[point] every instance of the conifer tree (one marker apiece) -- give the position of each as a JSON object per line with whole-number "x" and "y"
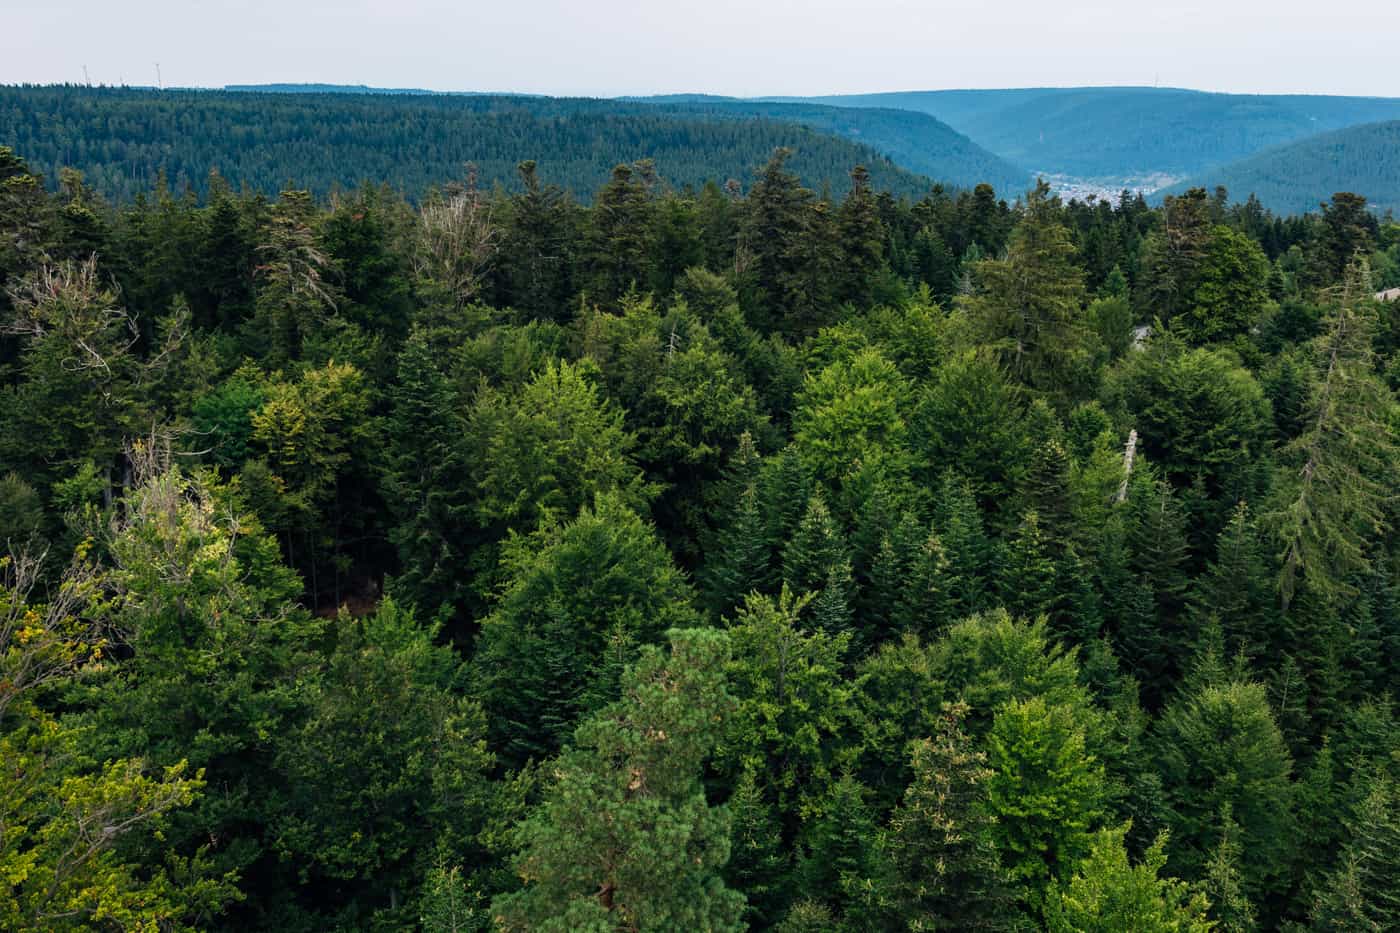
{"x": 578, "y": 600}
{"x": 861, "y": 238}
{"x": 968, "y": 549}
{"x": 840, "y": 863}
{"x": 759, "y": 867}
{"x": 1335, "y": 505}
{"x": 946, "y": 873}
{"x": 620, "y": 242}
{"x": 1028, "y": 584}
{"x": 1235, "y": 588}
{"x": 624, "y": 838}
{"x": 1360, "y": 894}
{"x": 1223, "y": 888}
{"x": 1218, "y": 745}
{"x": 1027, "y": 306}
{"x": 817, "y": 553}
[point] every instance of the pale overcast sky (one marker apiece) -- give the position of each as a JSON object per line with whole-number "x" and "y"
{"x": 739, "y": 47}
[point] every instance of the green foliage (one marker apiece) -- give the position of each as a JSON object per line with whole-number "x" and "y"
{"x": 1335, "y": 504}
{"x": 947, "y": 872}
{"x": 447, "y": 469}
{"x": 1027, "y": 306}
{"x": 551, "y": 448}
{"x": 577, "y": 602}
{"x": 852, "y": 414}
{"x": 1109, "y": 894}
{"x": 136, "y": 135}
{"x": 1046, "y": 793}
{"x": 1360, "y": 894}
{"x": 388, "y": 759}
{"x": 1218, "y": 747}
{"x": 624, "y": 837}
{"x": 793, "y": 719}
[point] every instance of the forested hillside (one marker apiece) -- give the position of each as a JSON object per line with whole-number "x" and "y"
{"x": 1299, "y": 176}
{"x": 122, "y": 139}
{"x": 913, "y": 140}
{"x": 1120, "y": 132}
{"x": 690, "y": 560}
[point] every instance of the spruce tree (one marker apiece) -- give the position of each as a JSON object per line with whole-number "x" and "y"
{"x": 1224, "y": 888}
{"x": 1336, "y": 504}
{"x": 1027, "y": 306}
{"x": 1218, "y": 745}
{"x": 759, "y": 866}
{"x": 840, "y": 863}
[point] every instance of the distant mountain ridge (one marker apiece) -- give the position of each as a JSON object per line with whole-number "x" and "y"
{"x": 1298, "y": 176}
{"x": 1119, "y": 132}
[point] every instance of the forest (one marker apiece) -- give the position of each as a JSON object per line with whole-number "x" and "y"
{"x": 125, "y": 139}
{"x": 747, "y": 556}
{"x": 1299, "y": 176}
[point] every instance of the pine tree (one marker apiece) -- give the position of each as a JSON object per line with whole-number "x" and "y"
{"x": 1156, "y": 641}
{"x": 619, "y": 244}
{"x": 739, "y": 565}
{"x": 1046, "y": 489}
{"x": 795, "y": 719}
{"x": 536, "y": 244}
{"x": 923, "y": 605}
{"x": 624, "y": 838}
{"x": 1172, "y": 257}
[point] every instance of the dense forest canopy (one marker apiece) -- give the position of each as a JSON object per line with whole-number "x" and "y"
{"x": 729, "y": 558}
{"x": 122, "y": 139}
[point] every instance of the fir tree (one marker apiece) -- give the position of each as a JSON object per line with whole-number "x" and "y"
{"x": 1360, "y": 894}
{"x": 946, "y": 870}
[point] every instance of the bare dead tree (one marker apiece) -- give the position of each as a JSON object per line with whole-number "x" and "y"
{"x": 457, "y": 241}
{"x": 1129, "y": 452}
{"x": 43, "y": 642}
{"x": 69, "y": 302}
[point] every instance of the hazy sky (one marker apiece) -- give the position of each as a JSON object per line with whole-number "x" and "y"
{"x": 741, "y": 47}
